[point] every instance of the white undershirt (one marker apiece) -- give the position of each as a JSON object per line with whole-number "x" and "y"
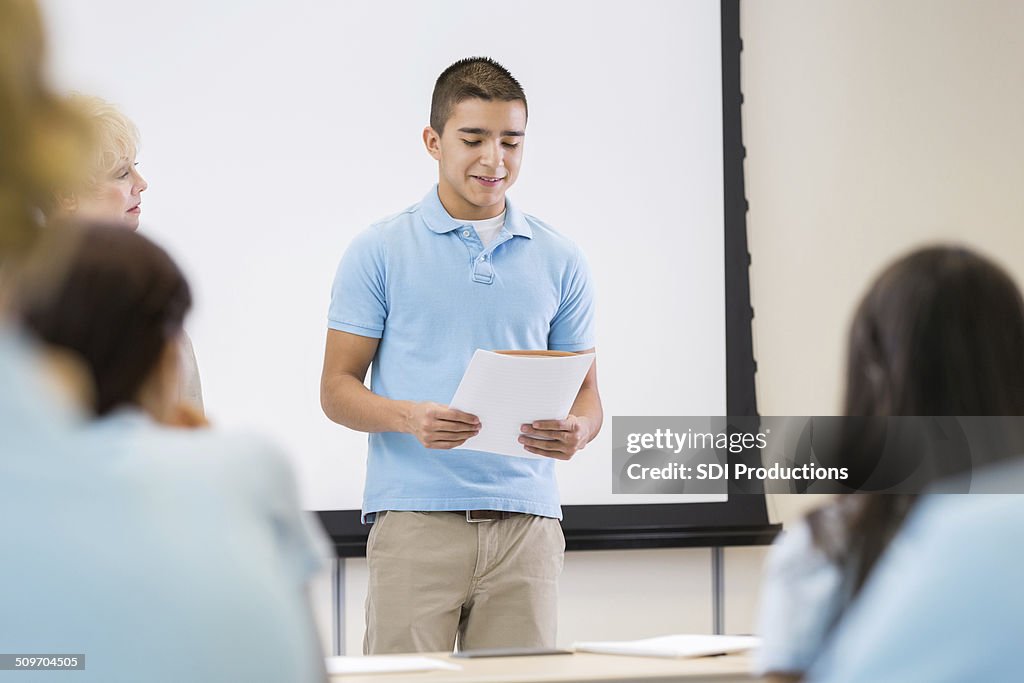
{"x": 489, "y": 228}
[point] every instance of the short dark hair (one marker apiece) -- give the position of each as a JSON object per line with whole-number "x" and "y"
{"x": 118, "y": 304}
{"x": 472, "y": 77}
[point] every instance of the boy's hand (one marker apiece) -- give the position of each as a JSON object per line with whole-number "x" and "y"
{"x": 438, "y": 426}
{"x": 559, "y": 439}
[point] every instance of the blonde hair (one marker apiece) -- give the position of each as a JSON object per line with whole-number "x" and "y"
{"x": 115, "y": 136}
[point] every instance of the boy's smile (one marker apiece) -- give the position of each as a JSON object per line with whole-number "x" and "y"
{"x": 478, "y": 154}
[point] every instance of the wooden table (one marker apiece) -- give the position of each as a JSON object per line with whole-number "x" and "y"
{"x": 581, "y": 666}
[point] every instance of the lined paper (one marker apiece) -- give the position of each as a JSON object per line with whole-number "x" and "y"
{"x": 508, "y": 391}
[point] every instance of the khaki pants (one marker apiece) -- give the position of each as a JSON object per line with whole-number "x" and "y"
{"x": 435, "y": 576}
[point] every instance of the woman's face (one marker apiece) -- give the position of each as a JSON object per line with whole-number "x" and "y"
{"x": 117, "y": 199}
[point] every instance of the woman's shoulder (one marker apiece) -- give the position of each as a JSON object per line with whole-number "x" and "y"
{"x": 133, "y": 441}
{"x": 800, "y": 597}
{"x": 795, "y": 551}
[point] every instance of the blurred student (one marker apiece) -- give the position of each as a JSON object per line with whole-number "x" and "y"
{"x": 111, "y": 194}
{"x": 43, "y": 142}
{"x": 169, "y": 554}
{"x": 416, "y": 295}
{"x": 118, "y": 308}
{"x": 940, "y": 333}
{"x": 43, "y": 145}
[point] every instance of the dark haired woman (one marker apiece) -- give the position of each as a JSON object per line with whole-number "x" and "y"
{"x": 181, "y": 553}
{"x": 940, "y": 333}
{"x": 119, "y": 308}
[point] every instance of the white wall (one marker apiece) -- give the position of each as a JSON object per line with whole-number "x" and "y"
{"x": 872, "y": 127}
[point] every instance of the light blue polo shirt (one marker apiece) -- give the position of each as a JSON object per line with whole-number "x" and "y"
{"x": 423, "y": 283}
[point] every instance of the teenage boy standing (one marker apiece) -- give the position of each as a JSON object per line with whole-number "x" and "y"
{"x": 416, "y": 294}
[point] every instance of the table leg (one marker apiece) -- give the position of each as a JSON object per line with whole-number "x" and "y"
{"x": 718, "y": 590}
{"x": 338, "y": 600}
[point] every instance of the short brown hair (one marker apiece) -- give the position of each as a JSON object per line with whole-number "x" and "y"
{"x": 472, "y": 77}
{"x": 121, "y": 300}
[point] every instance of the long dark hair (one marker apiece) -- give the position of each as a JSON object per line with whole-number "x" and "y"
{"x": 121, "y": 300}
{"x": 939, "y": 333}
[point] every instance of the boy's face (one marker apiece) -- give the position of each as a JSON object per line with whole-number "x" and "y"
{"x": 478, "y": 156}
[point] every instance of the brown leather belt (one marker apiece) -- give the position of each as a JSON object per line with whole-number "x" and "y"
{"x": 485, "y": 515}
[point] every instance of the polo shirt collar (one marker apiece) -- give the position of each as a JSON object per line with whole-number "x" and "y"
{"x": 440, "y": 221}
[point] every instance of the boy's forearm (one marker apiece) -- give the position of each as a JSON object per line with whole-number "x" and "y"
{"x": 348, "y": 402}
{"x": 588, "y": 405}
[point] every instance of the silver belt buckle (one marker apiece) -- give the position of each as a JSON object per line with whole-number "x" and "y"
{"x": 470, "y": 519}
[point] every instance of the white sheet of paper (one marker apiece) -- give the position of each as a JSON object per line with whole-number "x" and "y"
{"x": 506, "y": 392}
{"x": 686, "y": 645}
{"x": 380, "y": 664}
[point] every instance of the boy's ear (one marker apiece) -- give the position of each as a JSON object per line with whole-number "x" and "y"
{"x": 432, "y": 141}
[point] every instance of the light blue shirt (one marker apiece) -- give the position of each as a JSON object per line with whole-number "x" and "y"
{"x": 161, "y": 555}
{"x": 946, "y": 604}
{"x": 802, "y": 596}
{"x": 423, "y": 283}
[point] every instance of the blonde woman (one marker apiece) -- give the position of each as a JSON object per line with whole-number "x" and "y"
{"x": 112, "y": 195}
{"x": 112, "y": 192}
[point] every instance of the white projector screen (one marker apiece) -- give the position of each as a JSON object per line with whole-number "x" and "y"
{"x": 272, "y": 133}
